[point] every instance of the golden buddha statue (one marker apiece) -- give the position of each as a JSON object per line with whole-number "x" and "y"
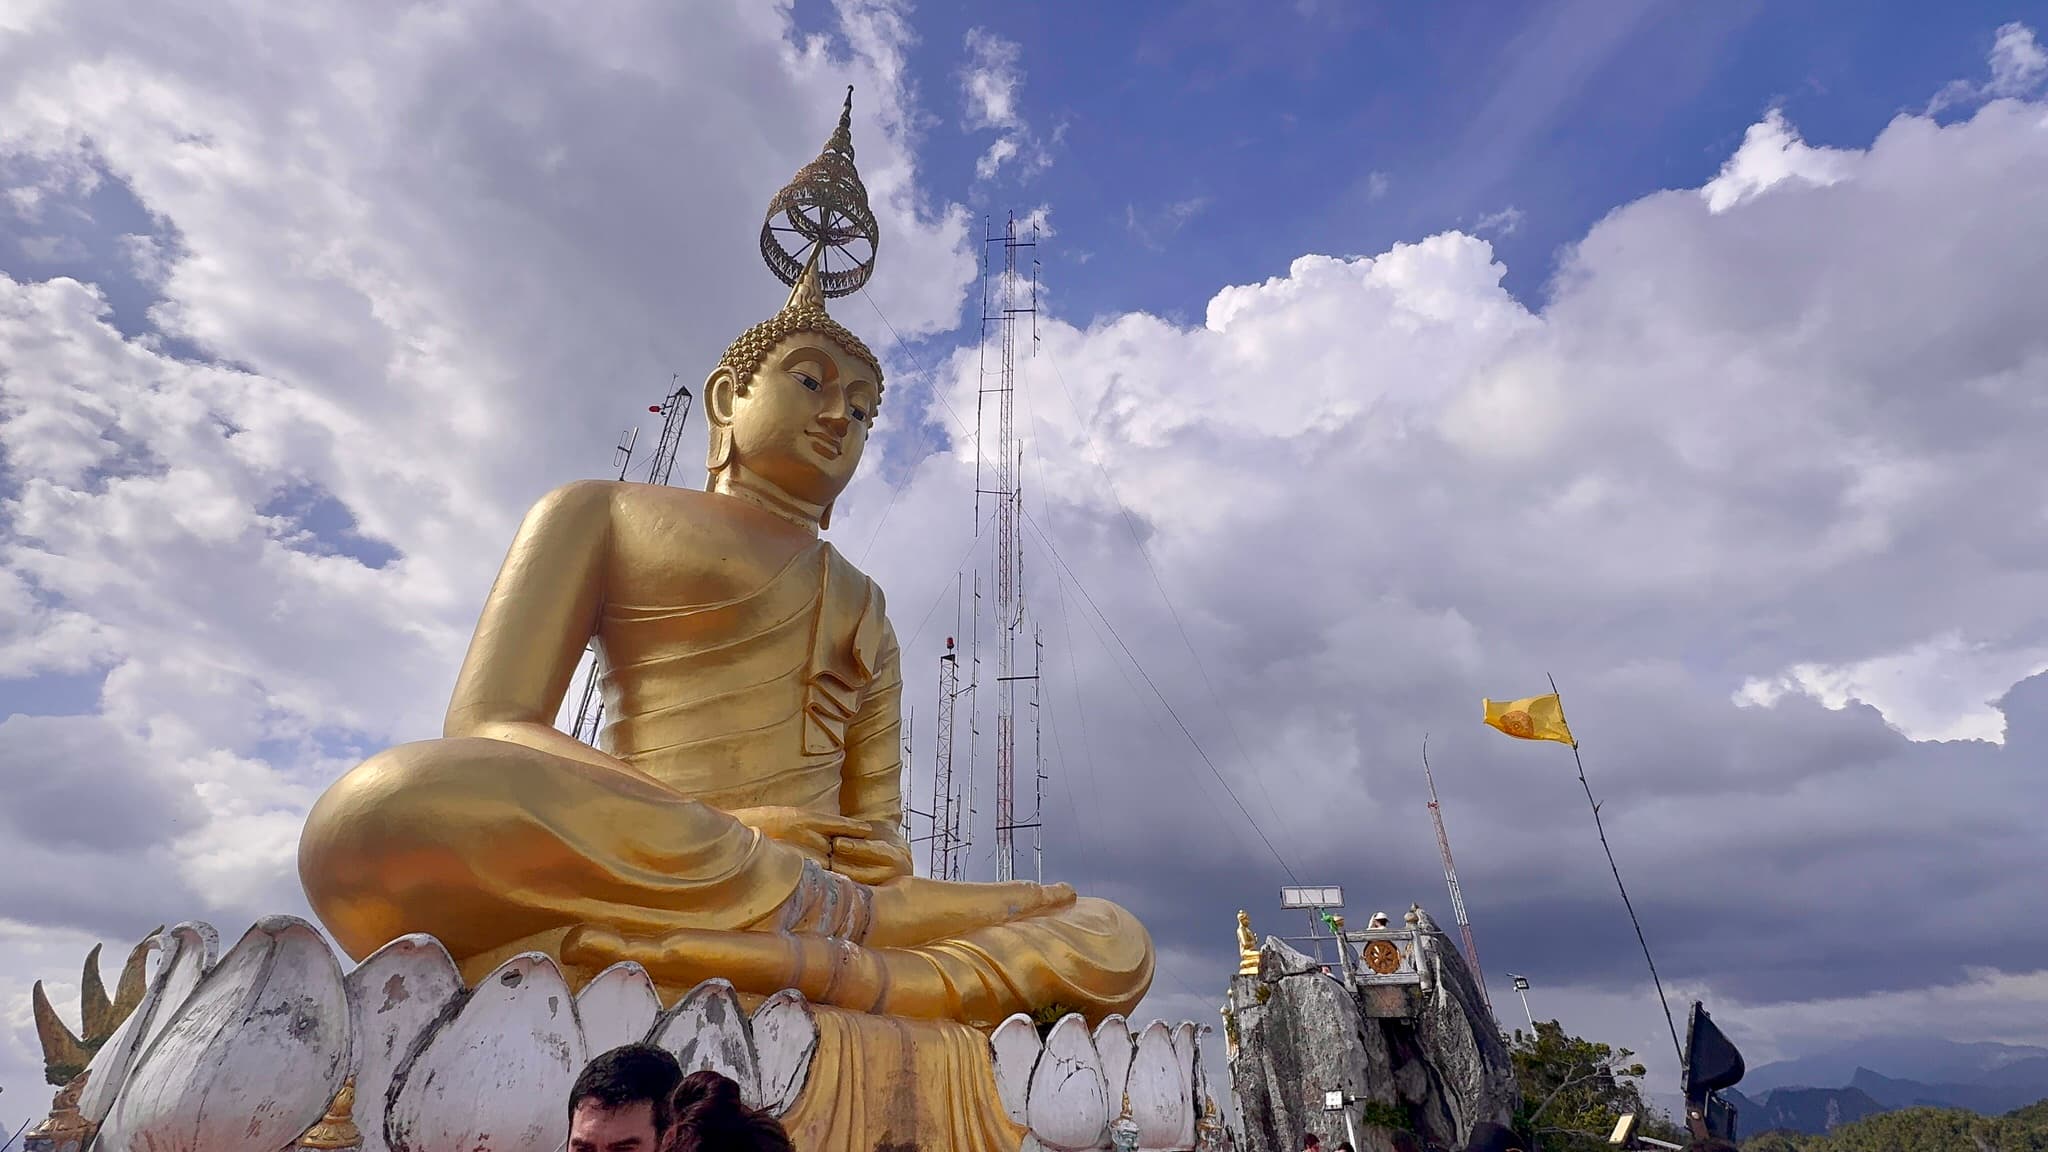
{"x": 741, "y": 816}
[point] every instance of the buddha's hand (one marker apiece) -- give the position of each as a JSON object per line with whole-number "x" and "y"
{"x": 816, "y": 834}
{"x": 875, "y": 858}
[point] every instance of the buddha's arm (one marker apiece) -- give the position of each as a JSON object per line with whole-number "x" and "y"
{"x": 531, "y": 635}
{"x": 871, "y": 784}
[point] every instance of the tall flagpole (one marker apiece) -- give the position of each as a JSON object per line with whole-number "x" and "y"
{"x": 1625, "y": 902}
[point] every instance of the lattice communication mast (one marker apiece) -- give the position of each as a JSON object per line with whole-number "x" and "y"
{"x": 1443, "y": 843}
{"x": 945, "y": 840}
{"x": 1000, "y": 312}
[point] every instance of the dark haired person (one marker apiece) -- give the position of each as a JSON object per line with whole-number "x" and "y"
{"x": 1492, "y": 1137}
{"x": 1311, "y": 1143}
{"x": 624, "y": 1101}
{"x": 710, "y": 1118}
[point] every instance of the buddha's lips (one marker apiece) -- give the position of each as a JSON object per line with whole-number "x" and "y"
{"x": 831, "y": 447}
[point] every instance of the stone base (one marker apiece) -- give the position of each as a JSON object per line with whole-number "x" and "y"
{"x": 251, "y": 1054}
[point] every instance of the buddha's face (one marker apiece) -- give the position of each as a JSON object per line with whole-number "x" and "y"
{"x": 801, "y": 421}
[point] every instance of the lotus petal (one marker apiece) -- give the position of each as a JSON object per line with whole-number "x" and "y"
{"x": 393, "y": 997}
{"x": 1016, "y": 1047}
{"x": 1159, "y": 1093}
{"x": 1187, "y": 1046}
{"x": 252, "y": 1058}
{"x": 493, "y": 1075}
{"x": 1068, "y": 1102}
{"x": 1114, "y": 1043}
{"x": 617, "y": 1007}
{"x": 187, "y": 952}
{"x": 785, "y": 1039}
{"x": 707, "y": 1029}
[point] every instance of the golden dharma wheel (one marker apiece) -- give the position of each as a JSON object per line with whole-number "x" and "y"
{"x": 1382, "y": 957}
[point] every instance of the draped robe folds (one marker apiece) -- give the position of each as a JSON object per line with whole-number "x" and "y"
{"x": 788, "y": 696}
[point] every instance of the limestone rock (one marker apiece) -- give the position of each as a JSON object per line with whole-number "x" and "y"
{"x": 1427, "y": 1054}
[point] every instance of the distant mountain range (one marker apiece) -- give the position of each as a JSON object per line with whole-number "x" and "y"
{"x": 1819, "y": 1093}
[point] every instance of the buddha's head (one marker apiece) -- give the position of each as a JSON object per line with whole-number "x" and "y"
{"x": 790, "y": 406}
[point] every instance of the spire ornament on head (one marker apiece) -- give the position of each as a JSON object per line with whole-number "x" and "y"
{"x": 820, "y": 238}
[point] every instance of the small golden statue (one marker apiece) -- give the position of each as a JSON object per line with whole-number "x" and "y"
{"x": 336, "y": 1130}
{"x": 742, "y": 814}
{"x": 1247, "y": 946}
{"x": 64, "y": 1130}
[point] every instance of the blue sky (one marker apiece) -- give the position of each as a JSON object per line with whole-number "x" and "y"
{"x": 1241, "y": 135}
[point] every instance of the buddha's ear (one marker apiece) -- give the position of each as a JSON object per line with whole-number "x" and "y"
{"x": 720, "y": 389}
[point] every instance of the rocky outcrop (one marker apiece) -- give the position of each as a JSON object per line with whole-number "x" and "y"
{"x": 1413, "y": 1048}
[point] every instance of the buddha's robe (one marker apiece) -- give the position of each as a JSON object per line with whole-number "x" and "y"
{"x": 787, "y": 696}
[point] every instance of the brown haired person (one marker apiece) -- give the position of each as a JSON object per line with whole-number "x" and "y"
{"x": 710, "y": 1118}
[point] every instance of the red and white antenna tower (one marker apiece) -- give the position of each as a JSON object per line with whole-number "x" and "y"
{"x": 1000, "y": 312}
{"x": 1443, "y": 843}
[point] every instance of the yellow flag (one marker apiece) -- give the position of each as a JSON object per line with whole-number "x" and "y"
{"x": 1536, "y": 718}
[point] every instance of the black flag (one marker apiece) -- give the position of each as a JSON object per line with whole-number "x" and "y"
{"x": 1711, "y": 1064}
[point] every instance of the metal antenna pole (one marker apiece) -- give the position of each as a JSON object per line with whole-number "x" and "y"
{"x": 1009, "y": 557}
{"x": 945, "y": 801}
{"x": 1443, "y": 843}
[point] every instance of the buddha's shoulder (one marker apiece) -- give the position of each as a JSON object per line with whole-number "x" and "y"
{"x": 611, "y": 497}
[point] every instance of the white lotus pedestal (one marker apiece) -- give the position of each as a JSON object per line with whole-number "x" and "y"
{"x": 271, "y": 1048}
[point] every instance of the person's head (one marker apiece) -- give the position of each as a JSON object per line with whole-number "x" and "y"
{"x": 710, "y": 1118}
{"x": 624, "y": 1101}
{"x": 1344, "y": 1146}
{"x": 1311, "y": 1140}
{"x": 791, "y": 403}
{"x": 1491, "y": 1137}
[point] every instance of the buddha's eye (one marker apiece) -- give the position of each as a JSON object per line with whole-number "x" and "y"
{"x": 859, "y": 413}
{"x": 806, "y": 381}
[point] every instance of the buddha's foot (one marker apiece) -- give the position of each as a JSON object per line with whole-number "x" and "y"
{"x": 829, "y": 971}
{"x": 916, "y": 910}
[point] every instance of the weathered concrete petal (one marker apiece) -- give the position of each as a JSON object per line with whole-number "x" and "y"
{"x": 707, "y": 1029}
{"x": 493, "y": 1074}
{"x": 109, "y": 1067}
{"x": 1068, "y": 1104}
{"x": 617, "y": 1007}
{"x": 1159, "y": 1092}
{"x": 1114, "y": 1042}
{"x": 251, "y": 1059}
{"x": 1016, "y": 1046}
{"x": 785, "y": 1040}
{"x": 393, "y": 998}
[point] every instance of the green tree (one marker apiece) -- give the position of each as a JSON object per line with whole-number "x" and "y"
{"x": 1573, "y": 1091}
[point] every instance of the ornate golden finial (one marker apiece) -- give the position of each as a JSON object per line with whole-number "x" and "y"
{"x": 825, "y": 208}
{"x": 65, "y": 1055}
{"x": 819, "y": 220}
{"x": 337, "y": 1129}
{"x": 64, "y": 1128}
{"x": 1247, "y": 946}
